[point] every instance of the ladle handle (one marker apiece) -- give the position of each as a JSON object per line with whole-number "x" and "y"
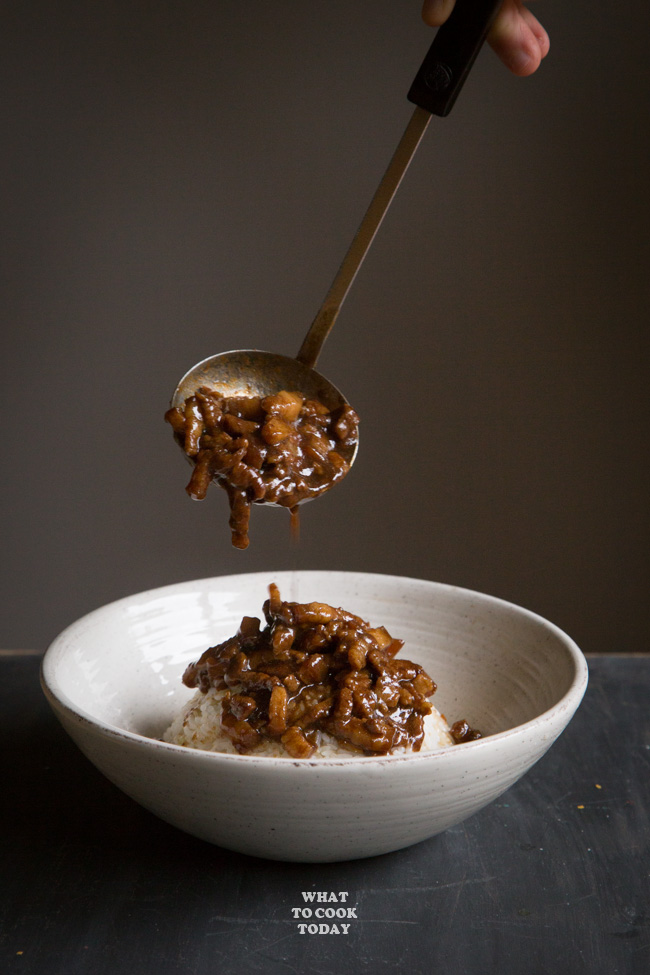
{"x": 434, "y": 91}
{"x": 449, "y": 60}
{"x": 331, "y": 306}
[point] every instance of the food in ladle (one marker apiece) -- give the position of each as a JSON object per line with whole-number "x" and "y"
{"x": 280, "y": 449}
{"x": 313, "y": 682}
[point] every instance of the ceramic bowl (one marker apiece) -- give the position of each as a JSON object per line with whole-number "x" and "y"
{"x": 113, "y": 679}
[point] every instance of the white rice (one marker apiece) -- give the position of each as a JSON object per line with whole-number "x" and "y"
{"x": 198, "y": 726}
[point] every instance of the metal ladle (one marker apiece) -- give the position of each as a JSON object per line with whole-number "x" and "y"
{"x": 434, "y": 91}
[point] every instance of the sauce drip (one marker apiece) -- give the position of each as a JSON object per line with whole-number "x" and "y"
{"x": 281, "y": 449}
{"x": 295, "y": 524}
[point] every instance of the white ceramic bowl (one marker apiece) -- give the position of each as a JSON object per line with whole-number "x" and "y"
{"x": 113, "y": 679}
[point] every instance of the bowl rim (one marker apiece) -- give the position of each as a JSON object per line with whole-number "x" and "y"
{"x": 58, "y": 699}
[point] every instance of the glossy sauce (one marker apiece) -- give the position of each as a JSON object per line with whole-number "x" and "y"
{"x": 280, "y": 449}
{"x": 314, "y": 669}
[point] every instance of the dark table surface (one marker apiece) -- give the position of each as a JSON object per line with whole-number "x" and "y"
{"x": 554, "y": 877}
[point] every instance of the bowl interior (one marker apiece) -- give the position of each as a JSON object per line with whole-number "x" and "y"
{"x": 495, "y": 664}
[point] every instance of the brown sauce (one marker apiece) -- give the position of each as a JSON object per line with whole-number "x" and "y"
{"x": 295, "y": 524}
{"x": 312, "y": 669}
{"x": 461, "y": 731}
{"x": 280, "y": 449}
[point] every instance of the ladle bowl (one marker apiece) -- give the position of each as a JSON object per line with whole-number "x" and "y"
{"x": 251, "y": 372}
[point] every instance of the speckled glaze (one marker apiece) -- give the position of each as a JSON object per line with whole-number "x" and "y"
{"x": 113, "y": 679}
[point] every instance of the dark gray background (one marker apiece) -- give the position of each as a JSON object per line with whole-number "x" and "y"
{"x": 178, "y": 179}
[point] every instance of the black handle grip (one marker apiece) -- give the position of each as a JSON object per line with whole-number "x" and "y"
{"x": 452, "y": 54}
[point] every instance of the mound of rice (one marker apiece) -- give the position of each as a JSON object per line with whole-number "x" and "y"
{"x": 198, "y": 725}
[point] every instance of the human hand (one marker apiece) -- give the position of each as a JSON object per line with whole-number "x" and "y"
{"x": 516, "y": 35}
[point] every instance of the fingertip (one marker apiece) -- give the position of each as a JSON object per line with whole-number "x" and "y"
{"x": 522, "y": 64}
{"x": 436, "y": 12}
{"x": 519, "y": 40}
{"x": 522, "y": 60}
{"x": 544, "y": 43}
{"x": 538, "y": 31}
